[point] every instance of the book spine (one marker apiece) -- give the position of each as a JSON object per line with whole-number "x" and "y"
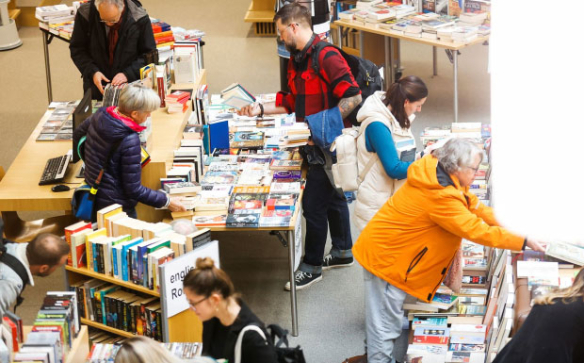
{"x": 101, "y": 258}
{"x": 108, "y": 311}
{"x": 145, "y": 270}
{"x": 132, "y": 318}
{"x": 161, "y": 90}
{"x": 124, "y": 264}
{"x": 158, "y": 325}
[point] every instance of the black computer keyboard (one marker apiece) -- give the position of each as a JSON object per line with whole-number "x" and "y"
{"x": 55, "y": 170}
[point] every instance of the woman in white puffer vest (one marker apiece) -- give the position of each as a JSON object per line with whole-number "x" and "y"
{"x": 386, "y": 146}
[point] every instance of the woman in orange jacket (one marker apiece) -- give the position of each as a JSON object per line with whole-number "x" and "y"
{"x": 409, "y": 245}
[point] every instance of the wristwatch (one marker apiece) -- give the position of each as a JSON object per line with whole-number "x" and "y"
{"x": 261, "y": 115}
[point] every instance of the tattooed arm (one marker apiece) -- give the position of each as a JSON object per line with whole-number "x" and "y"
{"x": 347, "y": 105}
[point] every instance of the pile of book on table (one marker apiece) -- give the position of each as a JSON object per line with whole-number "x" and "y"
{"x": 253, "y": 188}
{"x": 57, "y": 19}
{"x": 451, "y": 24}
{"x": 53, "y": 331}
{"x": 107, "y": 352}
{"x": 59, "y": 125}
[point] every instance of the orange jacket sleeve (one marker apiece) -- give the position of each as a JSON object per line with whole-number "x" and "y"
{"x": 451, "y": 213}
{"x": 481, "y": 210}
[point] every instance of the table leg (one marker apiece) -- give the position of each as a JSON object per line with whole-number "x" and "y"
{"x": 387, "y": 78}
{"x": 455, "y": 69}
{"x": 47, "y": 67}
{"x": 293, "y": 303}
{"x": 390, "y": 70}
{"x": 398, "y": 56}
{"x": 435, "y": 61}
{"x": 361, "y": 47}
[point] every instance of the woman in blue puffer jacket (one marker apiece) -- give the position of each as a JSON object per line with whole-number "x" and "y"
{"x": 121, "y": 182}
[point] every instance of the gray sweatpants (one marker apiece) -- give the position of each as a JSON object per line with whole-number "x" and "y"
{"x": 383, "y": 317}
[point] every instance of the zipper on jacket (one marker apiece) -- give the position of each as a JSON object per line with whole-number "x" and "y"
{"x": 415, "y": 261}
{"x": 444, "y": 271}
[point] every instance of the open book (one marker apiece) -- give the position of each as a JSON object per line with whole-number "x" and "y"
{"x": 236, "y": 96}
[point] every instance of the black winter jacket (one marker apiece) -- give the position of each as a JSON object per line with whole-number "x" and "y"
{"x": 121, "y": 182}
{"x": 89, "y": 44}
{"x": 551, "y": 333}
{"x": 219, "y": 340}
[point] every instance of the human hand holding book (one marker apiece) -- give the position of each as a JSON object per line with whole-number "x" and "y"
{"x": 535, "y": 245}
{"x": 176, "y": 205}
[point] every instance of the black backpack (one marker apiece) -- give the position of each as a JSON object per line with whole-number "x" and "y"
{"x": 364, "y": 71}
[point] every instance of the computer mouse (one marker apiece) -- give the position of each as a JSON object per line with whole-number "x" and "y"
{"x": 60, "y": 188}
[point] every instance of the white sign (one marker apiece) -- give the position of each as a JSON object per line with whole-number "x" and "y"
{"x": 173, "y": 273}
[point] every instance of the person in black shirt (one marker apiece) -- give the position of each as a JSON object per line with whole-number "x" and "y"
{"x": 212, "y": 297}
{"x": 553, "y": 330}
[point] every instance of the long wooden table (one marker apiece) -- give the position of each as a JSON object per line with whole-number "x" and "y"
{"x": 19, "y": 189}
{"x": 389, "y": 38}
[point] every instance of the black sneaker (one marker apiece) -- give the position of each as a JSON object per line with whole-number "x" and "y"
{"x": 332, "y": 262}
{"x": 303, "y": 279}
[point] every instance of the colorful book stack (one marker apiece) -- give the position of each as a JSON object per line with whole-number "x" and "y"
{"x": 55, "y": 327}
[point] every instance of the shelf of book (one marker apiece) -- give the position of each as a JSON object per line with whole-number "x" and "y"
{"x": 79, "y": 349}
{"x": 110, "y": 279}
{"x": 107, "y": 328}
{"x": 167, "y": 131}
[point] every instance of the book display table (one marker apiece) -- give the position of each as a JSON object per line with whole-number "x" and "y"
{"x": 389, "y": 39}
{"x": 19, "y": 189}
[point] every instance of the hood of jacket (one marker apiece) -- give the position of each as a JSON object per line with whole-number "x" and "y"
{"x": 428, "y": 174}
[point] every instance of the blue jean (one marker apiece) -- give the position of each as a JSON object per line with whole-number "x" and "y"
{"x": 324, "y": 208}
{"x": 383, "y": 317}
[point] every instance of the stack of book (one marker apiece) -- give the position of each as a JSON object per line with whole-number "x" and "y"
{"x": 57, "y": 19}
{"x": 53, "y": 331}
{"x": 59, "y": 125}
{"x": 162, "y": 34}
{"x": 177, "y": 101}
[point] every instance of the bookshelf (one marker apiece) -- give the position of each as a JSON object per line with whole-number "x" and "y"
{"x": 183, "y": 327}
{"x": 166, "y": 135}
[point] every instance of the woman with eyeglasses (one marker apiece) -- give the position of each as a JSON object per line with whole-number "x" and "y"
{"x": 212, "y": 297}
{"x": 409, "y": 245}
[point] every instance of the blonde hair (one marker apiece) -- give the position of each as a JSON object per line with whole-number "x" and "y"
{"x": 567, "y": 295}
{"x": 140, "y": 349}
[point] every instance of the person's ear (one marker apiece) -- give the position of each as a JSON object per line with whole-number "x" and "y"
{"x": 44, "y": 269}
{"x": 215, "y": 298}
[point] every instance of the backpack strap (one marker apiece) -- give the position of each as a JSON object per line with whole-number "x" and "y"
{"x": 17, "y": 266}
{"x": 239, "y": 341}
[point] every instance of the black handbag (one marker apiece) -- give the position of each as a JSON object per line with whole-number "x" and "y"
{"x": 83, "y": 201}
{"x": 286, "y": 354}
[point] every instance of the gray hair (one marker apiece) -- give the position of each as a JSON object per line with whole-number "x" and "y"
{"x": 118, "y": 3}
{"x": 183, "y": 226}
{"x": 136, "y": 97}
{"x": 457, "y": 153}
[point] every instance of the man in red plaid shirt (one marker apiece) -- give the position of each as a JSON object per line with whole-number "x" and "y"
{"x": 312, "y": 93}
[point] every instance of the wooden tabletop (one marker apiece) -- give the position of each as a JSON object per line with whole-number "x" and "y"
{"x": 375, "y": 29}
{"x": 19, "y": 189}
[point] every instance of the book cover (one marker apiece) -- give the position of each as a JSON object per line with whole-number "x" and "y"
{"x": 69, "y": 231}
{"x": 210, "y": 220}
{"x": 248, "y": 139}
{"x": 286, "y": 164}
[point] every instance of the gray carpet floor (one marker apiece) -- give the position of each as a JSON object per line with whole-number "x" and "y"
{"x": 331, "y": 312}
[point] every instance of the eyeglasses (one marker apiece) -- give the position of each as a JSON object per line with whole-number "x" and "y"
{"x": 193, "y": 306}
{"x": 278, "y": 30}
{"x": 111, "y": 21}
{"x": 475, "y": 170}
